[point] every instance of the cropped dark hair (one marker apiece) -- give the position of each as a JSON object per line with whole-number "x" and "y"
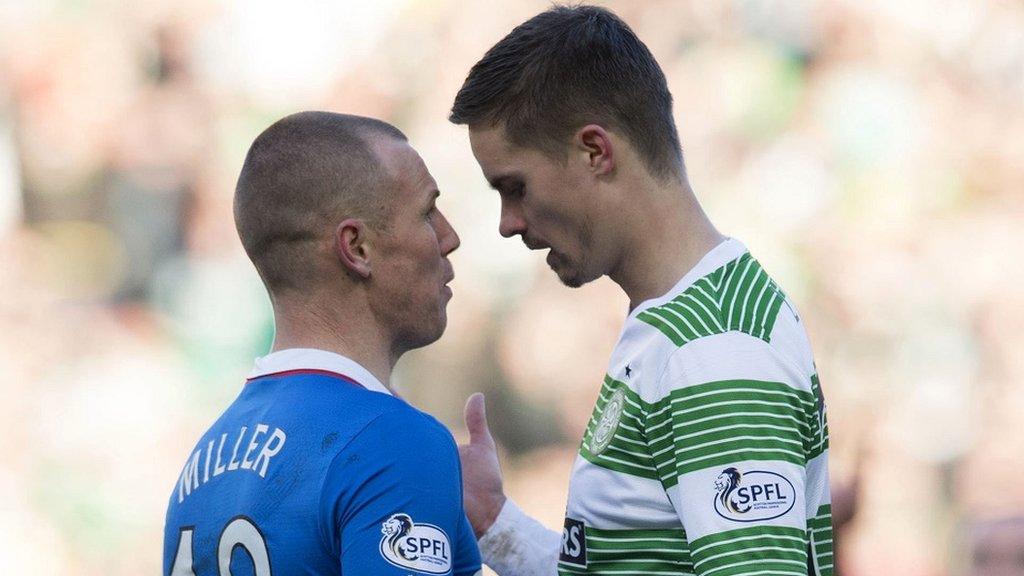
{"x": 567, "y": 67}
{"x": 301, "y": 177}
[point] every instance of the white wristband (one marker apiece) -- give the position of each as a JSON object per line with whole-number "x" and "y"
{"x": 518, "y": 545}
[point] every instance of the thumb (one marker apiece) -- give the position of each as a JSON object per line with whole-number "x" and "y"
{"x": 476, "y": 421}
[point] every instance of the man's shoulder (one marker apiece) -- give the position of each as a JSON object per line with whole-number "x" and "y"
{"x": 401, "y": 444}
{"x": 320, "y": 416}
{"x": 401, "y": 425}
{"x": 735, "y": 320}
{"x": 738, "y": 296}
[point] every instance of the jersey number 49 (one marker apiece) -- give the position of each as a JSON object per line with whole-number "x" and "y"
{"x": 240, "y": 531}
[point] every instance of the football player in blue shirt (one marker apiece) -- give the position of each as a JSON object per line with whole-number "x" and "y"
{"x": 316, "y": 467}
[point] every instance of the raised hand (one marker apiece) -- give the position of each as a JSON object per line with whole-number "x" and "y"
{"x": 481, "y": 474}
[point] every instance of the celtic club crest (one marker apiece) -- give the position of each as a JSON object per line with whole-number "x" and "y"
{"x": 608, "y": 423}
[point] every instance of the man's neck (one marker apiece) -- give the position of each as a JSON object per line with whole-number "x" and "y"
{"x": 308, "y": 326}
{"x": 664, "y": 241}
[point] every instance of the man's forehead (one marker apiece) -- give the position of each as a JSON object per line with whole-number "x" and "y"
{"x": 404, "y": 163}
{"x": 498, "y": 157}
{"x": 490, "y": 140}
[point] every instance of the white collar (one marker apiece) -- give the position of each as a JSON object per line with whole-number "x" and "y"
{"x": 726, "y": 251}
{"x": 313, "y": 359}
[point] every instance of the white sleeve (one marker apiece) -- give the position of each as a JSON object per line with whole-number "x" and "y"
{"x": 743, "y": 421}
{"x": 518, "y": 545}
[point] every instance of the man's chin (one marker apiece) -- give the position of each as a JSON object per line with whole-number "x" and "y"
{"x": 431, "y": 332}
{"x": 570, "y": 278}
{"x": 440, "y": 327}
{"x": 567, "y": 274}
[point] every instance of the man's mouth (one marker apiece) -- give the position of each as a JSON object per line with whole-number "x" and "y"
{"x": 534, "y": 244}
{"x": 445, "y": 288}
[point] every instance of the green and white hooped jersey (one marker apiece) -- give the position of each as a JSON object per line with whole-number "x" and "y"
{"x": 707, "y": 452}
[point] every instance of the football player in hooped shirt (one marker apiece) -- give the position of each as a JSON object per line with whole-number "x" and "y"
{"x": 707, "y": 451}
{"x": 316, "y": 467}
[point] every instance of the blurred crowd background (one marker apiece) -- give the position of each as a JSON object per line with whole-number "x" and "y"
{"x": 869, "y": 152}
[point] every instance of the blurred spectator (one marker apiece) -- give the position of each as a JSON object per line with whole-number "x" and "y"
{"x": 996, "y": 547}
{"x": 156, "y": 158}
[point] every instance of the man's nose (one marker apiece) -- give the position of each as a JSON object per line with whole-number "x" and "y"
{"x": 512, "y": 221}
{"x": 449, "y": 237}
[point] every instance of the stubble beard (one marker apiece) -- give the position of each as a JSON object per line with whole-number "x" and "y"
{"x": 575, "y": 275}
{"x": 573, "y": 281}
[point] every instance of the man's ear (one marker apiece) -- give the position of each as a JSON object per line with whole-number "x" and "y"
{"x": 595, "y": 143}
{"x": 350, "y": 246}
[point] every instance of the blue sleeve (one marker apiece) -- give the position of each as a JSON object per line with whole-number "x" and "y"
{"x": 467, "y": 554}
{"x": 392, "y": 501}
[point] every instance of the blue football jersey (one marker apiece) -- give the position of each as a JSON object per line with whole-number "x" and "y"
{"x": 317, "y": 469}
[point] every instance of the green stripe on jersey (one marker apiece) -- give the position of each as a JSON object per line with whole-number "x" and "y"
{"x": 719, "y": 423}
{"x": 739, "y": 296}
{"x": 819, "y": 430}
{"x": 819, "y": 529}
{"x": 636, "y": 552}
{"x": 754, "y": 550}
{"x": 702, "y": 426}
